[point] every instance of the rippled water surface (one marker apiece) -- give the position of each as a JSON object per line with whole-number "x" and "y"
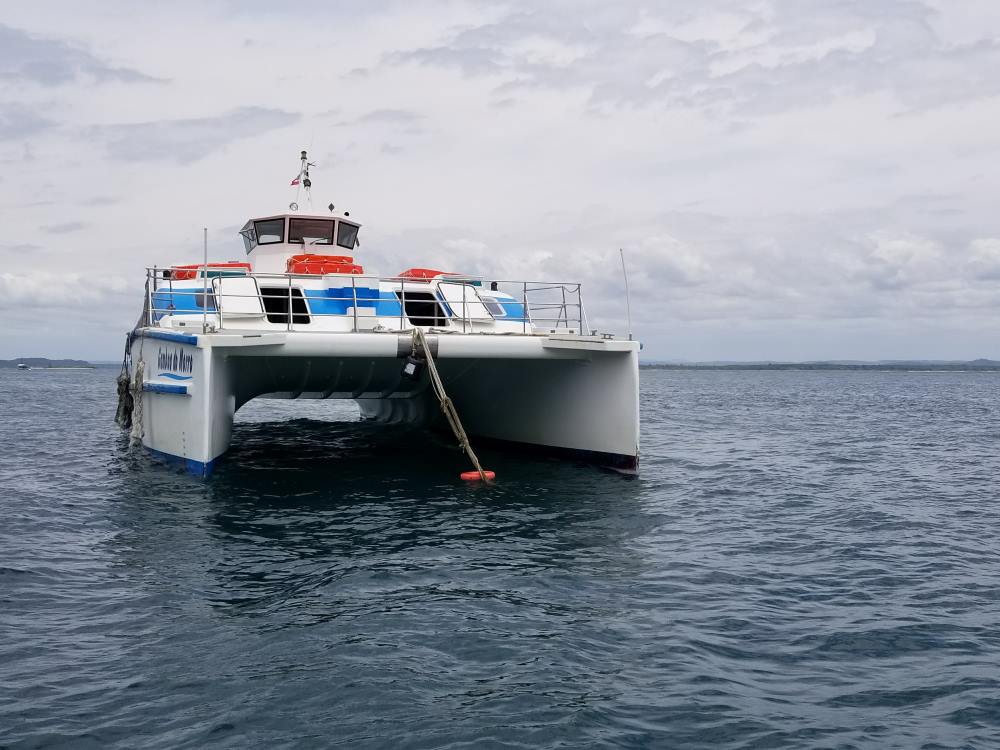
{"x": 807, "y": 560}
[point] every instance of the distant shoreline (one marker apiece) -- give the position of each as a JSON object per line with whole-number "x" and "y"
{"x": 915, "y": 366}
{"x": 43, "y": 363}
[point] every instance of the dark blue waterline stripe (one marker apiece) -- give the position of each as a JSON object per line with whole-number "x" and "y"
{"x": 621, "y": 463}
{"x": 197, "y": 468}
{"x": 180, "y": 338}
{"x": 177, "y": 390}
{"x": 173, "y": 376}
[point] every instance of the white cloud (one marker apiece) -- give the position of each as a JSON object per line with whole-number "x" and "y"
{"x": 52, "y": 291}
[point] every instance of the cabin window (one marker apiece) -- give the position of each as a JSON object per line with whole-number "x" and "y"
{"x": 495, "y": 308}
{"x": 249, "y": 238}
{"x": 276, "y": 300}
{"x": 200, "y": 297}
{"x": 310, "y": 231}
{"x": 270, "y": 232}
{"x": 347, "y": 235}
{"x": 422, "y": 308}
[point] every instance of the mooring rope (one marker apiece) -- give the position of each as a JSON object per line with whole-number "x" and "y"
{"x": 138, "y": 432}
{"x": 419, "y": 339}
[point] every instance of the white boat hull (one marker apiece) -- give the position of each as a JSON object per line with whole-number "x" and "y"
{"x": 568, "y": 394}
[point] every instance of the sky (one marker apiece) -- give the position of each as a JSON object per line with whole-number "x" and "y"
{"x": 789, "y": 179}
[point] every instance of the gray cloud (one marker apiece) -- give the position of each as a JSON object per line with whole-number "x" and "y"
{"x": 390, "y": 116}
{"x": 399, "y": 121}
{"x": 65, "y": 228}
{"x": 787, "y": 55}
{"x": 53, "y": 62}
{"x": 21, "y": 249}
{"x": 100, "y": 200}
{"x": 189, "y": 140}
{"x": 17, "y": 122}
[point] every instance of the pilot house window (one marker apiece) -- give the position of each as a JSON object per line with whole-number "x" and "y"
{"x": 270, "y": 232}
{"x": 310, "y": 231}
{"x": 347, "y": 235}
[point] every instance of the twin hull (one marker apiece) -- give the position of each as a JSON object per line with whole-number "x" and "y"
{"x": 574, "y": 395}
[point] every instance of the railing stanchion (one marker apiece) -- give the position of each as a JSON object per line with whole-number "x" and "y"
{"x": 524, "y": 312}
{"x": 289, "y": 300}
{"x": 402, "y": 301}
{"x": 354, "y": 292}
{"x": 149, "y": 301}
{"x": 204, "y": 291}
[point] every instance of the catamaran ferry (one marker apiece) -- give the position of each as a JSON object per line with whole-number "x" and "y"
{"x": 510, "y": 361}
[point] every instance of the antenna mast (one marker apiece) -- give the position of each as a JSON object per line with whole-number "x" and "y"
{"x": 628, "y": 300}
{"x": 302, "y": 181}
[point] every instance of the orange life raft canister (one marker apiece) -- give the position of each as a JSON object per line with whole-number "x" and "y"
{"x": 194, "y": 270}
{"x": 422, "y": 273}
{"x": 323, "y": 264}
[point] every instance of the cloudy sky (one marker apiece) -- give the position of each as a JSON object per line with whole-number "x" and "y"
{"x": 790, "y": 179}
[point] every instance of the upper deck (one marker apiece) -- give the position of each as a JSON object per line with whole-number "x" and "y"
{"x": 234, "y": 297}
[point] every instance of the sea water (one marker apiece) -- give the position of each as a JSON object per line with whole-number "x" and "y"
{"x": 808, "y": 559}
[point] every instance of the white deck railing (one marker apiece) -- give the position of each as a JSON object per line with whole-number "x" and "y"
{"x": 546, "y": 306}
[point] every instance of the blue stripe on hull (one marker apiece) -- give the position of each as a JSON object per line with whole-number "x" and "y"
{"x": 193, "y": 467}
{"x": 180, "y": 338}
{"x": 172, "y": 390}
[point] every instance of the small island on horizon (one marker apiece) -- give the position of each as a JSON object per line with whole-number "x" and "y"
{"x": 901, "y": 365}
{"x": 44, "y": 363}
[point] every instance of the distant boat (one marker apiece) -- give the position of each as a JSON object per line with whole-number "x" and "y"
{"x": 519, "y": 360}
{"x": 22, "y": 366}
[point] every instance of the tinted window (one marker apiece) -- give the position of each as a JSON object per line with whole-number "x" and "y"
{"x": 270, "y": 232}
{"x": 310, "y": 231}
{"x": 494, "y": 307}
{"x": 276, "y": 300}
{"x": 347, "y": 235}
{"x": 422, "y": 308}
{"x": 249, "y": 241}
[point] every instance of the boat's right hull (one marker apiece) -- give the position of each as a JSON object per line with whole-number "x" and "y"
{"x": 581, "y": 408}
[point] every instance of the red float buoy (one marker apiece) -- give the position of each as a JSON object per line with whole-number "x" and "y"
{"x": 473, "y": 476}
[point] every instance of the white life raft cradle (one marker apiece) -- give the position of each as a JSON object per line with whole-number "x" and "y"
{"x": 299, "y": 317}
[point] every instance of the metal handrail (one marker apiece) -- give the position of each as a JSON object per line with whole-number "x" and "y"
{"x": 566, "y": 302}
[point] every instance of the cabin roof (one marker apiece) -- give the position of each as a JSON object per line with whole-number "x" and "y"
{"x": 298, "y": 215}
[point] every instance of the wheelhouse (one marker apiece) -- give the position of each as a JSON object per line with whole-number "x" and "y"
{"x": 300, "y": 230}
{"x": 270, "y": 241}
